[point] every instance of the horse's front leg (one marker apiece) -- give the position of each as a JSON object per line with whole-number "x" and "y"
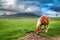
{"x": 46, "y": 28}
{"x": 38, "y": 29}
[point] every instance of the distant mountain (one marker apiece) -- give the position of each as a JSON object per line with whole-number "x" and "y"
{"x": 18, "y": 15}
{"x": 26, "y": 15}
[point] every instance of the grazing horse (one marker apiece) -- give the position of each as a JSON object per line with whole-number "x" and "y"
{"x": 43, "y": 20}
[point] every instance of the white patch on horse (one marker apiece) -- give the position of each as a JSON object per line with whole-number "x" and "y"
{"x": 38, "y": 22}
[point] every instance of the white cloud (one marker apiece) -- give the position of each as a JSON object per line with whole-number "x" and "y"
{"x": 32, "y": 9}
{"x": 28, "y": 2}
{"x": 22, "y": 7}
{"x": 27, "y": 6}
{"x": 49, "y": 13}
{"x": 8, "y": 2}
{"x": 49, "y": 4}
{"x": 9, "y": 13}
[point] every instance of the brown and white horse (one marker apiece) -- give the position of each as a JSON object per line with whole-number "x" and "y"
{"x": 43, "y": 20}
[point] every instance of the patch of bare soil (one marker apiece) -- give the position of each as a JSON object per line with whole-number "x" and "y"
{"x": 34, "y": 36}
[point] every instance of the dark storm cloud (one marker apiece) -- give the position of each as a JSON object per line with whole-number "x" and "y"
{"x": 46, "y": 1}
{"x": 6, "y": 9}
{"x": 56, "y": 7}
{"x": 21, "y": 7}
{"x": 42, "y": 1}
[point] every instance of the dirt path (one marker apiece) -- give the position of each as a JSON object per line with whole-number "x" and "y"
{"x": 34, "y": 36}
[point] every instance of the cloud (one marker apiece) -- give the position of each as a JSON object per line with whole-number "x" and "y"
{"x": 23, "y": 6}
{"x": 7, "y": 5}
{"x": 27, "y": 1}
{"x": 42, "y": 1}
{"x": 56, "y": 7}
{"x": 46, "y": 1}
{"x": 29, "y": 6}
{"x": 48, "y": 4}
{"x": 32, "y": 9}
{"x": 8, "y": 2}
{"x": 50, "y": 13}
{"x": 9, "y": 13}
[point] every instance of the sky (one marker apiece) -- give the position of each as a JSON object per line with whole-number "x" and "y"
{"x": 40, "y": 7}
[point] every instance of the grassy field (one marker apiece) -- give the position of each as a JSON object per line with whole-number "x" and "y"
{"x": 11, "y": 29}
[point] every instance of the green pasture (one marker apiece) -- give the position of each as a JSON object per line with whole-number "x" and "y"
{"x": 11, "y": 29}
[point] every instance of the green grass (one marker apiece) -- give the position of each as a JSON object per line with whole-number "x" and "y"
{"x": 11, "y": 29}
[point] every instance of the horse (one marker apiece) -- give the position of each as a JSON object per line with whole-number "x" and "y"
{"x": 43, "y": 20}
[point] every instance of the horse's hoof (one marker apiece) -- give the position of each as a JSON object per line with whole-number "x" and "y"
{"x": 46, "y": 31}
{"x": 37, "y": 32}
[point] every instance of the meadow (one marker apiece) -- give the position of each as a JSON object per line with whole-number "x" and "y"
{"x": 11, "y": 29}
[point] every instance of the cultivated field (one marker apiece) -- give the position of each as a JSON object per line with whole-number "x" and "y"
{"x": 11, "y": 29}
